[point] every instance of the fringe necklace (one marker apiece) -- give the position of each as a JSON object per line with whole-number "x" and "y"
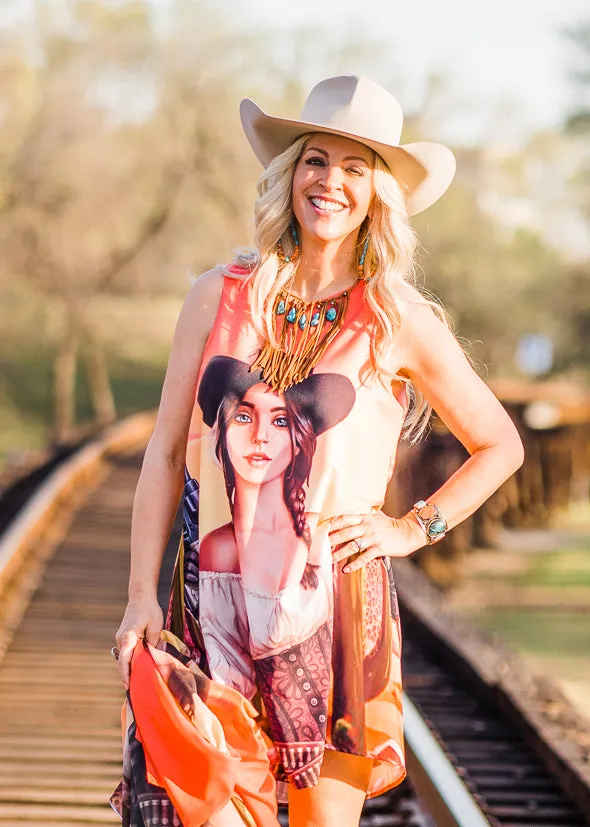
{"x": 304, "y": 330}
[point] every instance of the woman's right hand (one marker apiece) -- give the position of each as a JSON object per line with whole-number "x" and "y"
{"x": 143, "y": 618}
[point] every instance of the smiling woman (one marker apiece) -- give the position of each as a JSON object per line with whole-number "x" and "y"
{"x": 333, "y": 190}
{"x": 294, "y": 372}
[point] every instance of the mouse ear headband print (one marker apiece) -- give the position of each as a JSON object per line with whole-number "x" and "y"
{"x": 357, "y": 108}
{"x": 326, "y": 398}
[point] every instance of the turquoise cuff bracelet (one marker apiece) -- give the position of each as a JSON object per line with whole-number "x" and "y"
{"x": 431, "y": 520}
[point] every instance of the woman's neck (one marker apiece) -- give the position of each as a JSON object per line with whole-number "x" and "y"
{"x": 325, "y": 268}
{"x": 260, "y": 507}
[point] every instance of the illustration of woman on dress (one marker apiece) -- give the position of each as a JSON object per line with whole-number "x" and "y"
{"x": 266, "y": 576}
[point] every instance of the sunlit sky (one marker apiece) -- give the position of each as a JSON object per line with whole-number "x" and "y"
{"x": 508, "y": 52}
{"x": 507, "y": 60}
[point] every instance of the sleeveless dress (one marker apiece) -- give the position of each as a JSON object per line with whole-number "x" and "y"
{"x": 259, "y": 606}
{"x": 321, "y": 661}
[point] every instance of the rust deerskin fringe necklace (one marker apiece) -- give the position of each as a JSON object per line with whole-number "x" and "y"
{"x": 303, "y": 329}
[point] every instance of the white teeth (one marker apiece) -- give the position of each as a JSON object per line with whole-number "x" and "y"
{"x": 330, "y": 206}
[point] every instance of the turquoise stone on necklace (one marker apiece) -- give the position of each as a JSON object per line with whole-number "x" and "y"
{"x": 309, "y": 328}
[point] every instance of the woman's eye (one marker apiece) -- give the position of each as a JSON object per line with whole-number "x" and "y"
{"x": 242, "y": 417}
{"x": 314, "y": 161}
{"x": 356, "y": 170}
{"x": 280, "y": 422}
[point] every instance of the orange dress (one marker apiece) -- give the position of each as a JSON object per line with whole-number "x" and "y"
{"x": 256, "y": 599}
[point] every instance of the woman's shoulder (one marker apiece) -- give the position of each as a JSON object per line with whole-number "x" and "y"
{"x": 229, "y": 282}
{"x": 218, "y": 550}
{"x": 417, "y": 309}
{"x": 202, "y": 300}
{"x": 206, "y": 296}
{"x": 410, "y": 296}
{"x": 197, "y": 317}
{"x": 425, "y": 330}
{"x": 242, "y": 267}
{"x": 207, "y": 287}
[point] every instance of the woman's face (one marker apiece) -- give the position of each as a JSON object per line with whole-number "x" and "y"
{"x": 258, "y": 438}
{"x": 333, "y": 186}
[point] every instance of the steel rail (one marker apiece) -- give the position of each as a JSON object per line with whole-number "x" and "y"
{"x": 59, "y": 740}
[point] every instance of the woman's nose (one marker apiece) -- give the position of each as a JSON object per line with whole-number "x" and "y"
{"x": 260, "y": 432}
{"x": 332, "y": 177}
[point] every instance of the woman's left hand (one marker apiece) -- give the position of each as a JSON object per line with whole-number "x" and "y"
{"x": 367, "y": 536}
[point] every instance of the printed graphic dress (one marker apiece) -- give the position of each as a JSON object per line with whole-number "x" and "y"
{"x": 259, "y": 606}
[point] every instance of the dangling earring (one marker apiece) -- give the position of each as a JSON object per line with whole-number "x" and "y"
{"x": 296, "y": 247}
{"x": 361, "y": 264}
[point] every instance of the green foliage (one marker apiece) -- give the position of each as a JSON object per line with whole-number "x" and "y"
{"x": 568, "y": 567}
{"x": 136, "y": 385}
{"x": 540, "y": 632}
{"x": 26, "y": 389}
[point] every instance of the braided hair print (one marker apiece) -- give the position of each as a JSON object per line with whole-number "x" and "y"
{"x": 296, "y": 475}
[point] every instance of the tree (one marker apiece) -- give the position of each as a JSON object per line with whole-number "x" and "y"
{"x": 91, "y": 184}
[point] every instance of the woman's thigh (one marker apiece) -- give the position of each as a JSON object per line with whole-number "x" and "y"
{"x": 339, "y": 796}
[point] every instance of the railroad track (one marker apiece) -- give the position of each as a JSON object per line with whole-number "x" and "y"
{"x": 60, "y": 698}
{"x": 20, "y": 486}
{"x": 493, "y": 754}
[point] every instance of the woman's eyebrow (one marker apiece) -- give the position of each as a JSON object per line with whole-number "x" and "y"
{"x": 348, "y": 157}
{"x": 245, "y": 404}
{"x": 317, "y": 149}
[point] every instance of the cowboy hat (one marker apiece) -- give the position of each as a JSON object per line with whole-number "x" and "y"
{"x": 325, "y": 398}
{"x": 357, "y": 108}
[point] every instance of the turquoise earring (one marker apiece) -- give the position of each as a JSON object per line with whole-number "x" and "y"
{"x": 361, "y": 265}
{"x": 281, "y": 251}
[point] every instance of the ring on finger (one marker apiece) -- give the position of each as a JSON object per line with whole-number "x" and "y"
{"x": 115, "y": 652}
{"x": 359, "y": 543}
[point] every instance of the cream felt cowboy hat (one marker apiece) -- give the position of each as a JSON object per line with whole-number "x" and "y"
{"x": 357, "y": 108}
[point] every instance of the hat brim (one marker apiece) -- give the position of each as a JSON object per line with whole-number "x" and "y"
{"x": 424, "y": 169}
{"x": 326, "y": 398}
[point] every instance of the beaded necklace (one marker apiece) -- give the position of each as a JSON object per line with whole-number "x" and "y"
{"x": 304, "y": 330}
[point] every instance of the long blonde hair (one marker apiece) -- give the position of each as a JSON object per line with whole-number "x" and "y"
{"x": 389, "y": 261}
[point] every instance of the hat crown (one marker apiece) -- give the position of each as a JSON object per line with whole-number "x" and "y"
{"x": 357, "y": 105}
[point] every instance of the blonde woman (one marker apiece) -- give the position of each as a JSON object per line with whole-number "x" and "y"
{"x": 326, "y": 291}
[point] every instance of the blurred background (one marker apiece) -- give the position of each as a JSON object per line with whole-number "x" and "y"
{"x": 124, "y": 172}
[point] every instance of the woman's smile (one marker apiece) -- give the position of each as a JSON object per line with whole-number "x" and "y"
{"x": 326, "y": 206}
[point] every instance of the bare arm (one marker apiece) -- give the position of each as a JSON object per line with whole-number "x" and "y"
{"x": 437, "y": 366}
{"x": 161, "y": 479}
{"x": 440, "y": 370}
